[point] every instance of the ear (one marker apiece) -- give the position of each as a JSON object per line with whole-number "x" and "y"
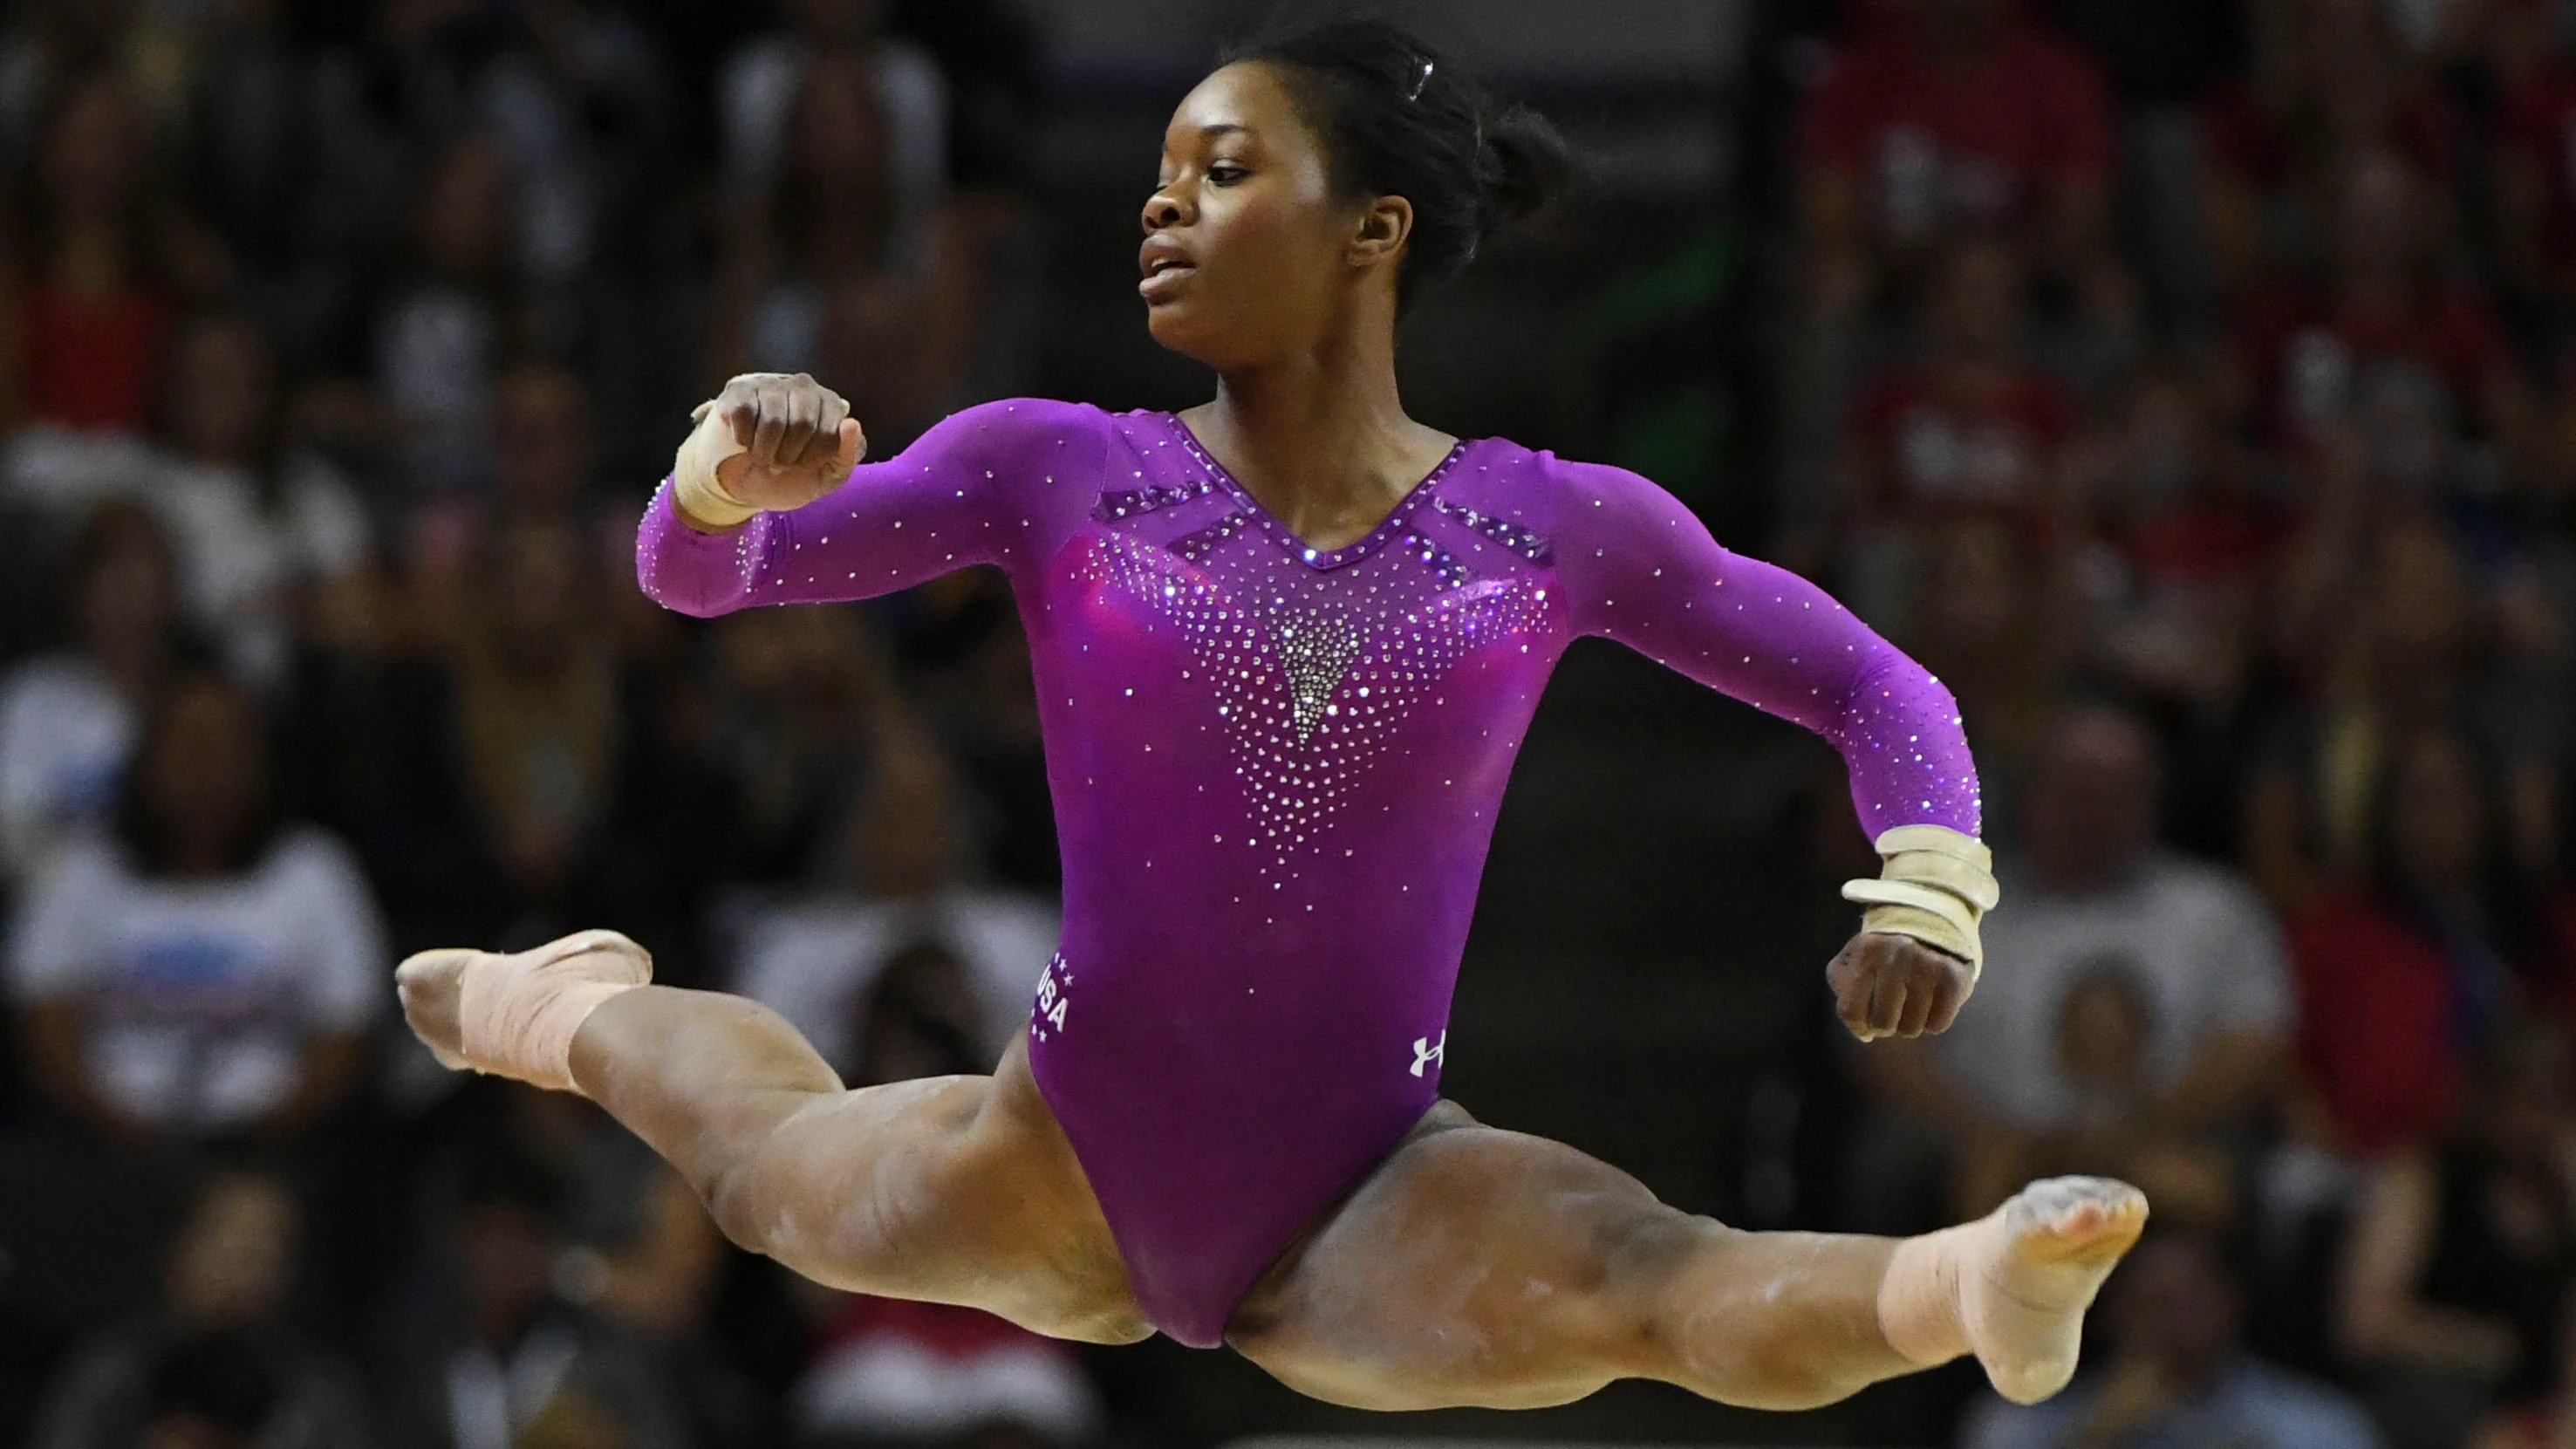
{"x": 1382, "y": 231}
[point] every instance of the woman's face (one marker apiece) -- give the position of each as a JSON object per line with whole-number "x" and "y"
{"x": 1247, "y": 249}
{"x": 221, "y": 378}
{"x": 123, "y": 606}
{"x": 207, "y": 773}
{"x": 2437, "y": 821}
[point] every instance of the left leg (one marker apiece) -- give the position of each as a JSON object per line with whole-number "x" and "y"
{"x": 1482, "y": 1267}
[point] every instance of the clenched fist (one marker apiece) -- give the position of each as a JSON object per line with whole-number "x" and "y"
{"x": 770, "y": 442}
{"x": 1886, "y": 985}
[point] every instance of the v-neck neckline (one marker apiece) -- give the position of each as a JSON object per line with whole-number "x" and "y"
{"x": 1319, "y": 559}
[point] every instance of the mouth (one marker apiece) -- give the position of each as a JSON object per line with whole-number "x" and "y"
{"x": 1163, "y": 276}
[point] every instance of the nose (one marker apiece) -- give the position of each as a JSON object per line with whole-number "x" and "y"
{"x": 1162, "y": 209}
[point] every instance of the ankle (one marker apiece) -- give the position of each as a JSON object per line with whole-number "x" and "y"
{"x": 1919, "y": 1306}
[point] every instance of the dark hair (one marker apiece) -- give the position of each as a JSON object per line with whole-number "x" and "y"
{"x": 1398, "y": 119}
{"x": 228, "y": 1381}
{"x": 139, "y": 826}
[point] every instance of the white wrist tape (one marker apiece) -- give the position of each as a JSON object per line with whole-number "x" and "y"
{"x": 693, "y": 473}
{"x": 1935, "y": 885}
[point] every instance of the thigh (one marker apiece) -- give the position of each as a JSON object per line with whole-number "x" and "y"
{"x": 1474, "y": 1267}
{"x": 953, "y": 1189}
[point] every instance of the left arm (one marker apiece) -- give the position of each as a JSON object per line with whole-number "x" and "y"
{"x": 1638, "y": 567}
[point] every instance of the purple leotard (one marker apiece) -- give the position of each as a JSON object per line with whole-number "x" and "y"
{"x": 1276, "y": 769}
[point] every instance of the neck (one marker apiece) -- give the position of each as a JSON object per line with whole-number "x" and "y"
{"x": 1320, "y": 437}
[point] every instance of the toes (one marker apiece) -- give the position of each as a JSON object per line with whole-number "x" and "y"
{"x": 2079, "y": 1213}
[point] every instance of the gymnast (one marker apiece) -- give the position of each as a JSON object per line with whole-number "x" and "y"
{"x": 1286, "y": 645}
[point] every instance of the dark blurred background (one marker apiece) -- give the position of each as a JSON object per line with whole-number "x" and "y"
{"x": 2190, "y": 383}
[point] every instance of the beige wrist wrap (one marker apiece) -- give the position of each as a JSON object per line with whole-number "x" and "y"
{"x": 1934, "y": 886}
{"x": 516, "y": 1015}
{"x": 694, "y": 485}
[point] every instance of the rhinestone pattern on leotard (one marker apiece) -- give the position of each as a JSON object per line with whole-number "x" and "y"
{"x": 1316, "y": 657}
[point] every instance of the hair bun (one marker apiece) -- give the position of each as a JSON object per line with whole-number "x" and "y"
{"x": 1522, "y": 165}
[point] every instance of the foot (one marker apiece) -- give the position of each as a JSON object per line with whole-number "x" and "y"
{"x": 450, "y": 997}
{"x": 2012, "y": 1287}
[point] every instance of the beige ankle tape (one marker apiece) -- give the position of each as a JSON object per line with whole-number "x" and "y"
{"x": 517, "y": 1015}
{"x": 1919, "y": 1306}
{"x": 694, "y": 485}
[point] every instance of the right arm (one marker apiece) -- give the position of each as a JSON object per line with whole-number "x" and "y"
{"x": 976, "y": 489}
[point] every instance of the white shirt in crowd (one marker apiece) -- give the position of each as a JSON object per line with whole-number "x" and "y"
{"x": 236, "y": 558}
{"x": 814, "y": 963}
{"x": 2194, "y": 942}
{"x": 200, "y": 996}
{"x": 64, "y": 736}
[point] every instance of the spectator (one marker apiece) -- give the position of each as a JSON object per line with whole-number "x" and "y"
{"x": 2535, "y": 193}
{"x": 817, "y": 961}
{"x": 2326, "y": 81}
{"x": 2177, "y": 1372}
{"x": 2159, "y": 981}
{"x": 484, "y": 1350}
{"x": 1972, "y": 428}
{"x": 1987, "y": 617}
{"x": 68, "y": 718}
{"x": 2380, "y": 631}
{"x": 259, "y": 523}
{"x": 2185, "y": 545}
{"x": 659, "y": 1275}
{"x": 926, "y": 1372}
{"x": 851, "y": 267}
{"x": 2387, "y": 348}
{"x": 211, "y": 970}
{"x": 765, "y": 78}
{"x": 806, "y": 691}
{"x": 1943, "y": 117}
{"x": 445, "y": 326}
{"x": 2453, "y": 1302}
{"x": 2405, "y": 977}
{"x": 557, "y": 762}
{"x": 106, "y": 252}
{"x": 220, "y": 1350}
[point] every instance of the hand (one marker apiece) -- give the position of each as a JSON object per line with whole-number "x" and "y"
{"x": 1896, "y": 986}
{"x": 799, "y": 439}
{"x": 432, "y": 987}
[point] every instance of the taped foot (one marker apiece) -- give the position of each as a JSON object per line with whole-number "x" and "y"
{"x": 515, "y": 1016}
{"x": 2012, "y": 1287}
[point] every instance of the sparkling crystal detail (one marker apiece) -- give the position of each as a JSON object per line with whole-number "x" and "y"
{"x": 1194, "y": 546}
{"x": 1135, "y": 502}
{"x": 1528, "y": 543}
{"x": 1316, "y": 650}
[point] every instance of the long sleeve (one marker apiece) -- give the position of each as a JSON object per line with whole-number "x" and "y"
{"x": 1641, "y": 569}
{"x": 989, "y": 485}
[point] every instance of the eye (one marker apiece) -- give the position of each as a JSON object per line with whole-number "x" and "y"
{"x": 1226, "y": 173}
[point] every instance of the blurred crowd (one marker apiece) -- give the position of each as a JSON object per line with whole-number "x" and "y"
{"x": 338, "y": 346}
{"x": 2192, "y": 387}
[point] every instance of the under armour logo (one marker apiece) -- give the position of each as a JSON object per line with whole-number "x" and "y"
{"x": 1426, "y": 1051}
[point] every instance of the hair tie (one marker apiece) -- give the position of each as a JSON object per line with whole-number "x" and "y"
{"x": 1421, "y": 80}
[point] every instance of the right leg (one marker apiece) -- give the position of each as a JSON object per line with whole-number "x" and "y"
{"x": 1494, "y": 1269}
{"x": 950, "y": 1189}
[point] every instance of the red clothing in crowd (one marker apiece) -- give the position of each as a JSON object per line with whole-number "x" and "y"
{"x": 1939, "y": 146}
{"x": 2377, "y": 1039}
{"x": 1944, "y": 450}
{"x": 2538, "y": 126}
{"x": 2245, "y": 141}
{"x": 91, "y": 365}
{"x": 2208, "y": 541}
{"x": 2305, "y": 353}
